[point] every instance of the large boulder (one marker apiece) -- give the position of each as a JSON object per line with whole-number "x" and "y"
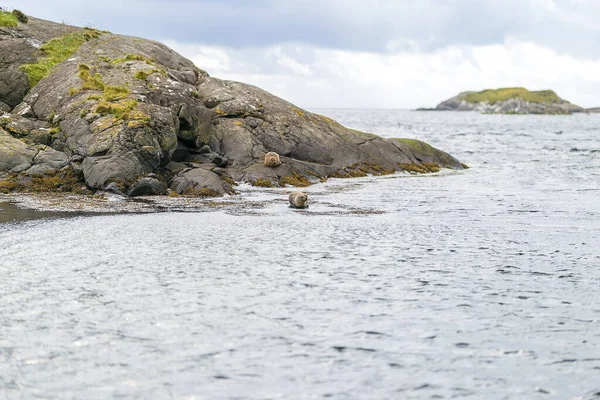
{"x": 197, "y": 181}
{"x": 120, "y": 108}
{"x": 15, "y": 156}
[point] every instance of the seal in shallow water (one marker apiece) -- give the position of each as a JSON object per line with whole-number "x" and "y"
{"x": 272, "y": 159}
{"x": 298, "y": 200}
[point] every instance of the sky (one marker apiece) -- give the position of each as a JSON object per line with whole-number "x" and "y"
{"x": 365, "y": 53}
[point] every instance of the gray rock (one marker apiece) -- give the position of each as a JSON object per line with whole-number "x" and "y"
{"x": 147, "y": 186}
{"x": 52, "y": 158}
{"x": 218, "y": 171}
{"x": 122, "y": 166}
{"x": 114, "y": 189}
{"x": 175, "y": 167}
{"x": 24, "y": 110}
{"x": 15, "y": 156}
{"x": 197, "y": 179}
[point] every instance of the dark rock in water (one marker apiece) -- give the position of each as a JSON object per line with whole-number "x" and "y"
{"x": 148, "y": 186}
{"x": 128, "y": 107}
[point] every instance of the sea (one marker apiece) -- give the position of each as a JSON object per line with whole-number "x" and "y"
{"x": 477, "y": 284}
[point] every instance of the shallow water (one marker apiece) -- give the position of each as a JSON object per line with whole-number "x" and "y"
{"x": 475, "y": 284}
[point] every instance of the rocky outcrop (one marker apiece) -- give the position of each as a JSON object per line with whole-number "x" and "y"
{"x": 595, "y": 110}
{"x": 510, "y": 101}
{"x": 131, "y": 112}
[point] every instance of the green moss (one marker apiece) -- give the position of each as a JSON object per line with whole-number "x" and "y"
{"x": 55, "y": 52}
{"x": 493, "y": 96}
{"x": 144, "y": 74}
{"x": 120, "y": 110}
{"x": 260, "y": 182}
{"x": 8, "y": 19}
{"x": 132, "y": 57}
{"x": 195, "y": 94}
{"x": 112, "y": 93}
{"x": 295, "y": 180}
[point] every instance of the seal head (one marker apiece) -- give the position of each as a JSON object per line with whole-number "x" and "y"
{"x": 298, "y": 200}
{"x": 272, "y": 159}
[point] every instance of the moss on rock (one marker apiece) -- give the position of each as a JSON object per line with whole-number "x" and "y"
{"x": 56, "y": 51}
{"x": 493, "y": 96}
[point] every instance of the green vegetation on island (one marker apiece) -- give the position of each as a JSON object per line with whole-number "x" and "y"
{"x": 493, "y": 96}
{"x": 8, "y": 19}
{"x": 515, "y": 100}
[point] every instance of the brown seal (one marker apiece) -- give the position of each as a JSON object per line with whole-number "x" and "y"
{"x": 298, "y": 200}
{"x": 272, "y": 159}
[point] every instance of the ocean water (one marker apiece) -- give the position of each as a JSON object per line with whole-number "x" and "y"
{"x": 477, "y": 284}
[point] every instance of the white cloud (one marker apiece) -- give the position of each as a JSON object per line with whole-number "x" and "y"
{"x": 405, "y": 79}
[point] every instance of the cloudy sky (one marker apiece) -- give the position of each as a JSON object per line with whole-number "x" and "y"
{"x": 366, "y": 53}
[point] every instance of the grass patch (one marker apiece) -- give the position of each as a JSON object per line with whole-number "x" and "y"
{"x": 493, "y": 96}
{"x": 90, "y": 82}
{"x": 55, "y": 52}
{"x": 8, "y": 19}
{"x": 132, "y": 57}
{"x": 113, "y": 93}
{"x": 120, "y": 110}
{"x": 144, "y": 74}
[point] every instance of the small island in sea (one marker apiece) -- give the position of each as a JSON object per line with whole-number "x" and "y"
{"x": 509, "y": 101}
{"x": 88, "y": 111}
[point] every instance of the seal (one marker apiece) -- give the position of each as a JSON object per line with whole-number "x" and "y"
{"x": 298, "y": 200}
{"x": 272, "y": 159}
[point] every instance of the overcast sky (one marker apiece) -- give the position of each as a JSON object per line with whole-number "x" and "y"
{"x": 366, "y": 53}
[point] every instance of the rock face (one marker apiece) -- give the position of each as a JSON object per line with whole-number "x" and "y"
{"x": 510, "y": 101}
{"x": 132, "y": 112}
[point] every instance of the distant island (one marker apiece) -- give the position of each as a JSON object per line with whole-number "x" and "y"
{"x": 509, "y": 101}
